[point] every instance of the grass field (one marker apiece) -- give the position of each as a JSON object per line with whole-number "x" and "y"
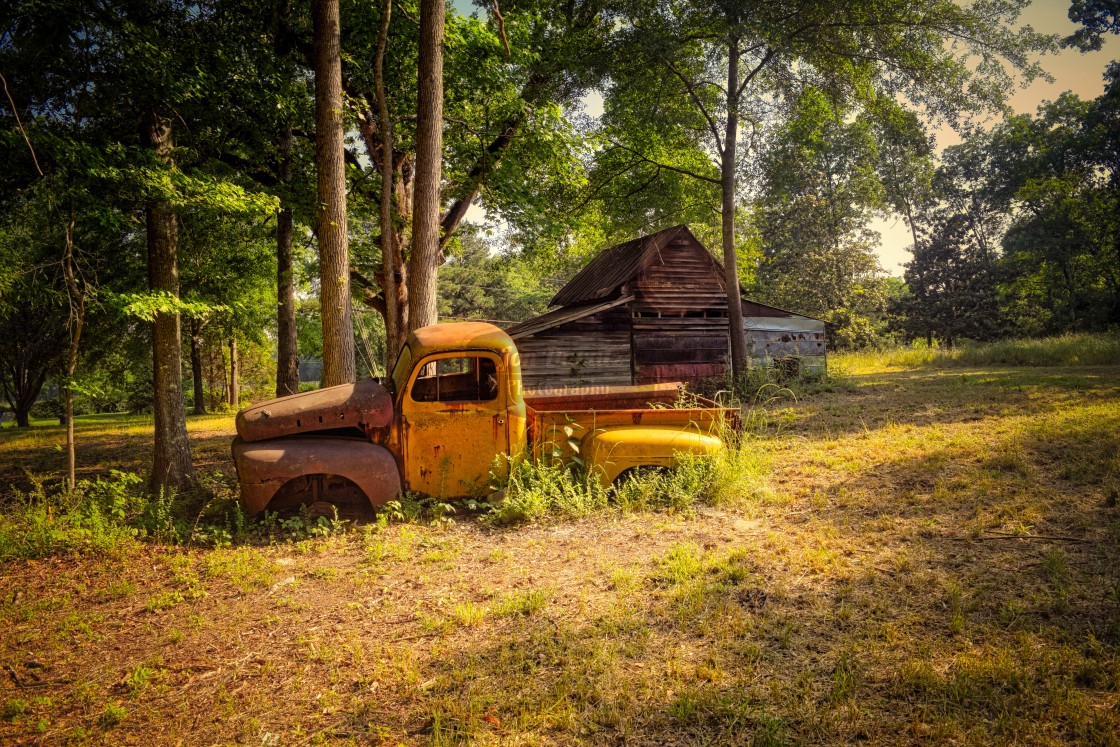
{"x": 929, "y": 556}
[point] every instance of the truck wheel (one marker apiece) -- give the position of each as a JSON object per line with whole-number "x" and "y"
{"x": 322, "y": 494}
{"x": 637, "y": 473}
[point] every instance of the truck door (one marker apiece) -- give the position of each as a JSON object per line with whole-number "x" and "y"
{"x": 453, "y": 423}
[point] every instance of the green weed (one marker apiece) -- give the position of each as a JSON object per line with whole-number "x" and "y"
{"x": 113, "y": 715}
{"x": 522, "y": 603}
{"x": 1071, "y": 349}
{"x": 534, "y": 491}
{"x": 13, "y": 709}
{"x": 91, "y": 518}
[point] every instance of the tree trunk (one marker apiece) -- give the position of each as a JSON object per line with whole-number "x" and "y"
{"x": 424, "y": 264}
{"x": 287, "y": 350}
{"x": 196, "y": 367}
{"x": 389, "y": 279}
{"x": 212, "y": 377}
{"x": 23, "y": 390}
{"x": 728, "y": 196}
{"x": 77, "y": 321}
{"x": 234, "y": 383}
{"x": 171, "y": 464}
{"x": 334, "y": 257}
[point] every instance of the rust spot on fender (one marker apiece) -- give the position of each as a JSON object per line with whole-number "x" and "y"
{"x": 262, "y": 468}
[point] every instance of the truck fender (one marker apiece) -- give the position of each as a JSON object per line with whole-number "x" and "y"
{"x": 609, "y": 452}
{"x": 263, "y": 467}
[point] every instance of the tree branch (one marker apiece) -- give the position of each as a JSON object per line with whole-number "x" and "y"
{"x": 23, "y": 132}
{"x": 700, "y": 104}
{"x": 751, "y": 75}
{"x": 667, "y": 167}
{"x": 369, "y": 294}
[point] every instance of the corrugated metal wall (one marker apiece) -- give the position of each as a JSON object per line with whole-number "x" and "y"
{"x": 772, "y": 338}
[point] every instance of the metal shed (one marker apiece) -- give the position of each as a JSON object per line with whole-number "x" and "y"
{"x": 651, "y": 310}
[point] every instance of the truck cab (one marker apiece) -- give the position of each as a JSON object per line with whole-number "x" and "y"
{"x": 457, "y": 395}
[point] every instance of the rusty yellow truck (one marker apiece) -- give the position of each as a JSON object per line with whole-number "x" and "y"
{"x": 450, "y": 415}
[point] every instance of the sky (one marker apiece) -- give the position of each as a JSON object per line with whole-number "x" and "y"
{"x": 1074, "y": 71}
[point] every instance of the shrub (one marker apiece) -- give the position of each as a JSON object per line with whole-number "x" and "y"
{"x": 93, "y": 517}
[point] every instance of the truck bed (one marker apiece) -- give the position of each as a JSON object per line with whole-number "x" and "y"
{"x": 559, "y": 417}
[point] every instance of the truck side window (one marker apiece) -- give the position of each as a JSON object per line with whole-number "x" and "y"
{"x": 469, "y": 378}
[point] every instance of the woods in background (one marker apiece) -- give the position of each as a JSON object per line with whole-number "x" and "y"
{"x": 183, "y": 212}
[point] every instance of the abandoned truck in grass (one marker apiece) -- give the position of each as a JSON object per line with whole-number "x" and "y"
{"x": 452, "y": 414}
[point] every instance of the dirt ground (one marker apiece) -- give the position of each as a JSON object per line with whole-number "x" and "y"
{"x": 931, "y": 558}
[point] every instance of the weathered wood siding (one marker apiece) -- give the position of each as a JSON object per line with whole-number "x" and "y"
{"x": 592, "y": 351}
{"x": 678, "y": 316}
{"x": 654, "y": 310}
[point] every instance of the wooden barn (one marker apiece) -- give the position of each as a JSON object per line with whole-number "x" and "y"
{"x": 651, "y": 310}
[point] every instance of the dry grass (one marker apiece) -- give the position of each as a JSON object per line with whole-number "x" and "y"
{"x": 934, "y": 560}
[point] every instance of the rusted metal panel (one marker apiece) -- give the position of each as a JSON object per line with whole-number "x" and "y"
{"x": 440, "y": 338}
{"x": 552, "y": 431}
{"x": 449, "y": 443}
{"x": 264, "y": 467}
{"x": 365, "y": 405}
{"x": 602, "y": 397}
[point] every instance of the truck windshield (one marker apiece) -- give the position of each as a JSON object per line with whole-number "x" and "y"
{"x": 401, "y": 369}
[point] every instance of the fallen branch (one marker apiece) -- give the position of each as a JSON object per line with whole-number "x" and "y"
{"x": 29, "y": 685}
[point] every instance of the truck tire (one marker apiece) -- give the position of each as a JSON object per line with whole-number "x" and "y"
{"x": 322, "y": 495}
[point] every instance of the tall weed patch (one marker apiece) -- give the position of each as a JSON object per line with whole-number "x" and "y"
{"x": 731, "y": 476}
{"x": 103, "y": 515}
{"x": 96, "y": 516}
{"x": 534, "y": 491}
{"x": 1071, "y": 349}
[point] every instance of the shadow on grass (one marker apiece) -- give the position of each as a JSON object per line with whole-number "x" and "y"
{"x": 105, "y": 442}
{"x": 942, "y": 397}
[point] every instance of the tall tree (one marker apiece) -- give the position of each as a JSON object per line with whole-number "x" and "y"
{"x": 287, "y": 345}
{"x": 503, "y": 133}
{"x": 333, "y": 225}
{"x": 423, "y": 266}
{"x": 714, "y": 63}
{"x": 818, "y": 190}
{"x": 120, "y": 78}
{"x": 172, "y": 465}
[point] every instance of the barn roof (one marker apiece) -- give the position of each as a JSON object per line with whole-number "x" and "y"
{"x": 597, "y": 286}
{"x": 614, "y": 266}
{"x": 563, "y": 315}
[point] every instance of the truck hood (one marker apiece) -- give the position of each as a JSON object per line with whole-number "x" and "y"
{"x": 365, "y": 405}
